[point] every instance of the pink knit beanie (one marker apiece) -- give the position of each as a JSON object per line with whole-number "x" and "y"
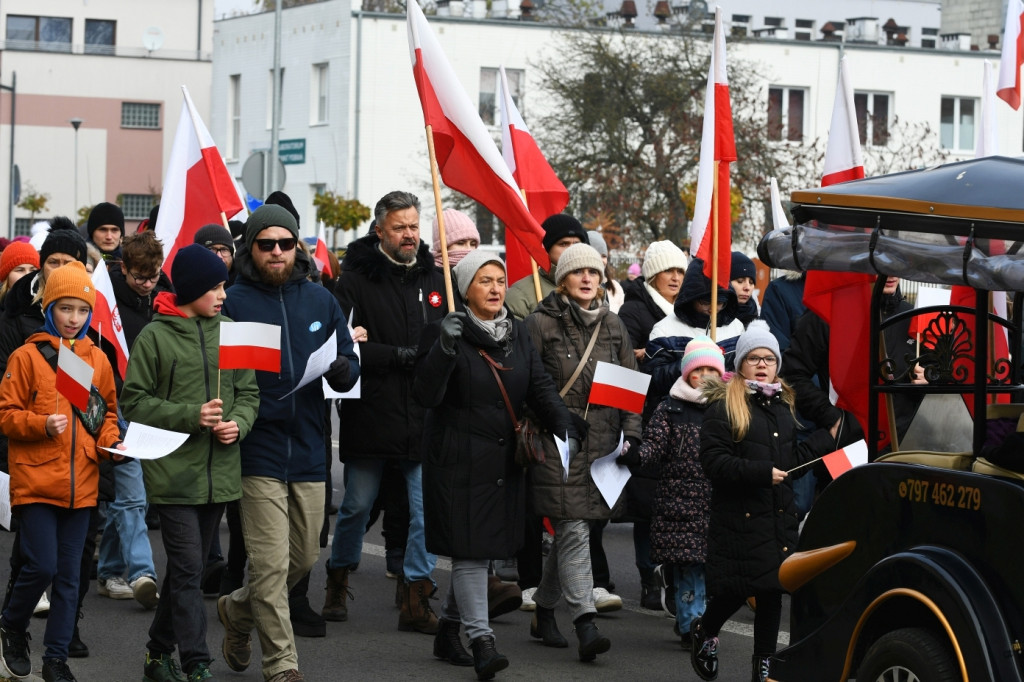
{"x": 457, "y": 226}
{"x": 701, "y": 351}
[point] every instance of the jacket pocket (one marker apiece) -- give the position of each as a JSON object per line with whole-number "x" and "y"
{"x": 36, "y": 456}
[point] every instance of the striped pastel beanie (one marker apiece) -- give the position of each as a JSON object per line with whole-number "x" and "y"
{"x": 701, "y": 351}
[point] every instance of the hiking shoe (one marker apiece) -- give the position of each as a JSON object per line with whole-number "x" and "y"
{"x": 237, "y": 645}
{"x": 528, "y": 603}
{"x": 57, "y": 670}
{"x": 163, "y": 668}
{"x": 42, "y": 608}
{"x": 115, "y": 588}
{"x": 605, "y": 601}
{"x": 14, "y": 650}
{"x": 703, "y": 651}
{"x": 201, "y": 672}
{"x": 144, "y": 591}
{"x": 292, "y": 675}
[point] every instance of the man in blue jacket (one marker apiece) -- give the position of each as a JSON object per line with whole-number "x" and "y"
{"x": 283, "y": 468}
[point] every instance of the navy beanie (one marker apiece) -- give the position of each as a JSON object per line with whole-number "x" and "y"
{"x": 742, "y": 267}
{"x": 560, "y": 226}
{"x": 195, "y": 271}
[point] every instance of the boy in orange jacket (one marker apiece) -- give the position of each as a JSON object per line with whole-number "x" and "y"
{"x": 53, "y": 453}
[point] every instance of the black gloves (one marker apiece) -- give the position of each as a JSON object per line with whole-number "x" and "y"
{"x": 451, "y": 332}
{"x": 405, "y": 356}
{"x": 630, "y": 455}
{"x": 574, "y": 448}
{"x": 338, "y": 373}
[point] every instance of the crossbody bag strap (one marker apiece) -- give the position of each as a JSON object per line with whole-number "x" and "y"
{"x": 501, "y": 385}
{"x": 583, "y": 361}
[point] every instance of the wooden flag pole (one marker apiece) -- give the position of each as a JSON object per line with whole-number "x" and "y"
{"x": 224, "y": 221}
{"x": 714, "y": 256}
{"x": 533, "y": 264}
{"x": 435, "y": 177}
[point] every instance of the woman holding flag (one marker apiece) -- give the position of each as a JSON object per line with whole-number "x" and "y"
{"x": 574, "y": 330}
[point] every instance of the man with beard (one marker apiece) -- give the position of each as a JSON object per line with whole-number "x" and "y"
{"x": 390, "y": 288}
{"x": 283, "y": 469}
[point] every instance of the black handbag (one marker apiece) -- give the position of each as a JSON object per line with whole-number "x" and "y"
{"x": 528, "y": 446}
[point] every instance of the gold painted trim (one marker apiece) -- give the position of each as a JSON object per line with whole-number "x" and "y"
{"x": 801, "y": 567}
{"x": 913, "y": 594}
{"x": 877, "y": 203}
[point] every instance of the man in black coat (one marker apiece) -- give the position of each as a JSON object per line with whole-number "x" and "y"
{"x": 390, "y": 290}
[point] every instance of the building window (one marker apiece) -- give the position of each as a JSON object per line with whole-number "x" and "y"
{"x": 52, "y": 34}
{"x": 786, "y": 114}
{"x": 872, "y": 117}
{"x": 957, "y": 123}
{"x": 805, "y": 27}
{"x": 140, "y": 115}
{"x": 23, "y": 226}
{"x": 318, "y": 94}
{"x": 137, "y": 206}
{"x": 99, "y": 36}
{"x": 270, "y": 98}
{"x": 489, "y": 92}
{"x": 777, "y": 22}
{"x": 234, "y": 115}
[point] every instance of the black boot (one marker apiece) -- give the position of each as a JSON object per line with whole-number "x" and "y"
{"x": 650, "y": 596}
{"x": 77, "y": 648}
{"x": 486, "y": 659}
{"x": 704, "y": 651}
{"x": 448, "y": 645}
{"x": 760, "y": 667}
{"x": 305, "y": 621}
{"x": 545, "y": 628}
{"x": 592, "y": 642}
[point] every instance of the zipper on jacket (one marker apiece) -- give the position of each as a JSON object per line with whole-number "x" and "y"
{"x": 170, "y": 380}
{"x": 423, "y": 308}
{"x": 206, "y": 379}
{"x": 74, "y": 432}
{"x": 286, "y": 337}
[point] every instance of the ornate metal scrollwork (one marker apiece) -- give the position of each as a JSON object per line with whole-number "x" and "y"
{"x": 946, "y": 354}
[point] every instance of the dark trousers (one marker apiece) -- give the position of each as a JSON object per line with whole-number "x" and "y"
{"x": 530, "y": 558}
{"x": 235, "y": 570}
{"x": 180, "y": 618}
{"x": 766, "y": 618}
{"x": 598, "y": 559}
{"x": 51, "y": 549}
{"x": 642, "y": 550}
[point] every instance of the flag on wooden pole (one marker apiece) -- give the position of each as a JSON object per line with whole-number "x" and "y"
{"x": 841, "y": 461}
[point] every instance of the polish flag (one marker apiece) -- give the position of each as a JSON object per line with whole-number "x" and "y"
{"x": 323, "y": 262}
{"x": 841, "y": 461}
{"x": 717, "y": 144}
{"x": 843, "y": 158}
{"x": 467, "y": 157}
{"x": 250, "y": 345}
{"x": 779, "y": 221}
{"x": 198, "y": 190}
{"x": 619, "y": 387}
{"x": 1008, "y": 88}
{"x": 74, "y": 378}
{"x": 545, "y": 193}
{"x": 106, "y": 319}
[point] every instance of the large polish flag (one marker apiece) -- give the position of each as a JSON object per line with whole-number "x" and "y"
{"x": 74, "y": 378}
{"x": 467, "y": 157}
{"x": 545, "y": 193}
{"x": 106, "y": 319}
{"x": 717, "y": 144}
{"x": 198, "y": 190}
{"x": 619, "y": 387}
{"x": 250, "y": 345}
{"x": 1013, "y": 54}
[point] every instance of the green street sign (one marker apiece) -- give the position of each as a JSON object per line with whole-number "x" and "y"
{"x": 292, "y": 151}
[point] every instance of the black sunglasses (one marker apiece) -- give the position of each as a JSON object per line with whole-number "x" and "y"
{"x": 267, "y": 245}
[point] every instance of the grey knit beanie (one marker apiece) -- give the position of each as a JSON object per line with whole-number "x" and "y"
{"x": 269, "y": 215}
{"x": 576, "y": 257}
{"x": 465, "y": 271}
{"x": 758, "y": 335}
{"x": 598, "y": 242}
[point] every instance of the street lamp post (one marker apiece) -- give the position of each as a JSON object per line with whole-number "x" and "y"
{"x": 75, "y": 123}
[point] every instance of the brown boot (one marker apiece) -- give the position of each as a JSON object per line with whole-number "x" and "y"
{"x": 416, "y": 613}
{"x": 400, "y": 591}
{"x": 502, "y": 597}
{"x": 335, "y": 606}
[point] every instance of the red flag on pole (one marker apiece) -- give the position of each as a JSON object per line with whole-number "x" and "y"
{"x": 74, "y": 378}
{"x": 1013, "y": 54}
{"x": 197, "y": 185}
{"x": 467, "y": 157}
{"x": 106, "y": 319}
{"x": 717, "y": 144}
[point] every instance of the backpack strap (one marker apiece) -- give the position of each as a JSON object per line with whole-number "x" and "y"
{"x": 48, "y": 353}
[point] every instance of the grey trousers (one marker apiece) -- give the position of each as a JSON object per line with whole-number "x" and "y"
{"x": 567, "y": 572}
{"x": 466, "y": 600}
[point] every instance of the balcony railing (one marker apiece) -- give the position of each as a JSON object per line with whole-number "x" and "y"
{"x": 102, "y": 50}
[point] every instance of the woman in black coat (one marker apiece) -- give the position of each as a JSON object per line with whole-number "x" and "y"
{"x": 473, "y": 491}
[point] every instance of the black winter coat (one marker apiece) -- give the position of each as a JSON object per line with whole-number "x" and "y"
{"x": 753, "y": 523}
{"x": 639, "y": 312}
{"x": 394, "y": 304}
{"x": 21, "y": 316}
{"x": 473, "y": 492}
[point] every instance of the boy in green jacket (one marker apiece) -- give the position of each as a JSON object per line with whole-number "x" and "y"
{"x": 173, "y": 383}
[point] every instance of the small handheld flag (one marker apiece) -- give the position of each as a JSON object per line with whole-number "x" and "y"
{"x": 619, "y": 387}
{"x": 250, "y": 345}
{"x": 74, "y": 378}
{"x": 841, "y": 461}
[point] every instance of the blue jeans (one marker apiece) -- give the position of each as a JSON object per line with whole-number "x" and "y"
{"x": 691, "y": 596}
{"x": 362, "y": 482}
{"x": 125, "y": 547}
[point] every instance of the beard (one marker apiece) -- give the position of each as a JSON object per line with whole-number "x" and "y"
{"x": 274, "y": 278}
{"x": 395, "y": 250}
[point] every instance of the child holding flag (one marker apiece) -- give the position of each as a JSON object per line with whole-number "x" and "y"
{"x": 53, "y": 450}
{"x": 173, "y": 383}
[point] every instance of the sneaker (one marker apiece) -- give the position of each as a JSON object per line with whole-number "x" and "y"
{"x": 57, "y": 670}
{"x": 292, "y": 675}
{"x": 115, "y": 588}
{"x": 528, "y": 603}
{"x": 14, "y": 651}
{"x": 201, "y": 672}
{"x": 605, "y": 601}
{"x": 144, "y": 591}
{"x": 703, "y": 652}
{"x": 42, "y": 608}
{"x": 237, "y": 645}
{"x": 163, "y": 668}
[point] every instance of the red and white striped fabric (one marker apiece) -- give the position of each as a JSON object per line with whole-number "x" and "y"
{"x": 74, "y": 378}
{"x": 619, "y": 387}
{"x": 323, "y": 263}
{"x": 106, "y": 319}
{"x": 1012, "y": 57}
{"x": 250, "y": 345}
{"x": 841, "y": 461}
{"x": 843, "y": 158}
{"x": 197, "y": 186}
{"x": 717, "y": 144}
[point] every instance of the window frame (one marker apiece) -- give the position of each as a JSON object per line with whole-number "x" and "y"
{"x": 143, "y": 115}
{"x": 132, "y": 202}
{"x": 319, "y": 102}
{"x": 957, "y": 123}
{"x": 100, "y": 48}
{"x": 866, "y": 126}
{"x": 785, "y": 124}
{"x": 487, "y": 102}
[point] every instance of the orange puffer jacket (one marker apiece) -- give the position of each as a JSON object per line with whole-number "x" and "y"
{"x": 62, "y": 470}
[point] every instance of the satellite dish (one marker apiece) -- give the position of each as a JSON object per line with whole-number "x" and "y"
{"x": 153, "y": 38}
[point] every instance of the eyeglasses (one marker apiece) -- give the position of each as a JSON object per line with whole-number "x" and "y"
{"x": 267, "y": 245}
{"x": 225, "y": 251}
{"x": 139, "y": 279}
{"x": 755, "y": 360}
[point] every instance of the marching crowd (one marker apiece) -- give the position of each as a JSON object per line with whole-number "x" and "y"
{"x": 453, "y": 440}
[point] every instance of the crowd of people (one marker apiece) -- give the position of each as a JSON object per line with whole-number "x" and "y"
{"x": 473, "y": 437}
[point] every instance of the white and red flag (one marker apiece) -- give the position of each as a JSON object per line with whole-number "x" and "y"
{"x": 841, "y": 461}
{"x": 74, "y": 378}
{"x": 717, "y": 151}
{"x": 323, "y": 263}
{"x": 617, "y": 386}
{"x": 545, "y": 193}
{"x": 843, "y": 158}
{"x": 467, "y": 157}
{"x": 1012, "y": 57}
{"x": 250, "y": 345}
{"x": 106, "y": 319}
{"x": 197, "y": 186}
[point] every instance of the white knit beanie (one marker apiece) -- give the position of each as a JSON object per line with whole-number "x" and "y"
{"x": 757, "y": 335}
{"x": 577, "y": 257}
{"x": 662, "y": 256}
